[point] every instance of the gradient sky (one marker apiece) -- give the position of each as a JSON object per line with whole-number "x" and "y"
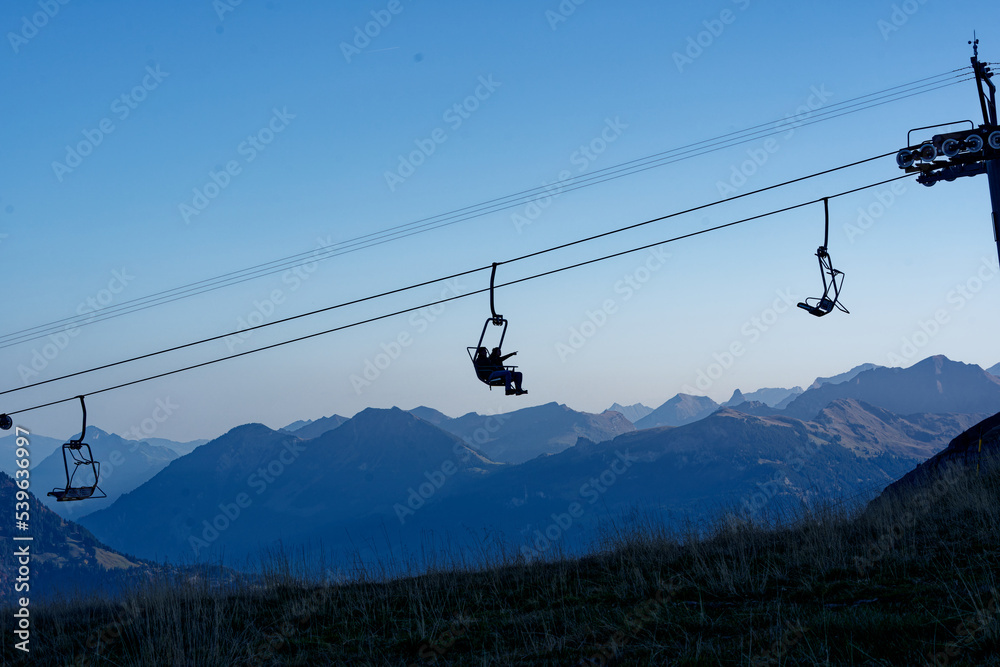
{"x": 199, "y": 79}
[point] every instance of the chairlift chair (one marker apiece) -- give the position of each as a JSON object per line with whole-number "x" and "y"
{"x": 474, "y": 351}
{"x": 77, "y": 452}
{"x": 833, "y": 279}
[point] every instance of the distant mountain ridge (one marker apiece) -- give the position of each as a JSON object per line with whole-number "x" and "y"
{"x": 633, "y": 412}
{"x": 680, "y": 410}
{"x": 843, "y": 377}
{"x": 315, "y": 429}
{"x": 934, "y": 385}
{"x": 773, "y": 397}
{"x": 429, "y": 415}
{"x": 521, "y": 435}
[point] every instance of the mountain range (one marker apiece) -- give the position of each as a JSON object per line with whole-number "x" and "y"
{"x": 419, "y": 483}
{"x": 389, "y": 479}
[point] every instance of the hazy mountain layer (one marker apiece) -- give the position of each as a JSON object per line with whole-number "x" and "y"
{"x": 934, "y": 385}
{"x": 679, "y": 410}
{"x": 515, "y": 437}
{"x": 633, "y": 412}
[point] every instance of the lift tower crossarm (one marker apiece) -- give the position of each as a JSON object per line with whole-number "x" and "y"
{"x": 967, "y": 153}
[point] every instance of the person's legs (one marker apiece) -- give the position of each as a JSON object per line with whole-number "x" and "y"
{"x": 517, "y": 379}
{"x": 496, "y": 375}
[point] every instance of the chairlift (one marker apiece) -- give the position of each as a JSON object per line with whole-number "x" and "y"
{"x": 833, "y": 279}
{"x": 78, "y": 452}
{"x": 492, "y": 372}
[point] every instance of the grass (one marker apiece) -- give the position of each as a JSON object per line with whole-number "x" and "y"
{"x": 912, "y": 580}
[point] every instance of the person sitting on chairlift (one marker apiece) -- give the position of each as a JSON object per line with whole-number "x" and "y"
{"x": 489, "y": 367}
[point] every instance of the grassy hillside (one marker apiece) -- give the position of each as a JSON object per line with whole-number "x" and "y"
{"x": 912, "y": 581}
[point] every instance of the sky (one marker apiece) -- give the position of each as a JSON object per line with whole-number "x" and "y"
{"x": 154, "y": 145}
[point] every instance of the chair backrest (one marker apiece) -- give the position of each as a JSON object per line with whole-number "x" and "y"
{"x": 484, "y": 371}
{"x": 74, "y": 450}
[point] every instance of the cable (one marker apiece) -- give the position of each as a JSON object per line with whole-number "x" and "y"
{"x": 698, "y": 208}
{"x": 457, "y": 275}
{"x": 448, "y": 299}
{"x": 484, "y": 208}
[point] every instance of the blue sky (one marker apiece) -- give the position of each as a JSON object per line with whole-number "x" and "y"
{"x": 292, "y": 122}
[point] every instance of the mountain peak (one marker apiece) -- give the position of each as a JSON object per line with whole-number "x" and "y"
{"x": 679, "y": 410}
{"x": 735, "y": 399}
{"x": 431, "y": 415}
{"x": 250, "y": 430}
{"x": 939, "y": 364}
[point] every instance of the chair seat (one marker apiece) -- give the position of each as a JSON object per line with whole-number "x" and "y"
{"x": 72, "y": 493}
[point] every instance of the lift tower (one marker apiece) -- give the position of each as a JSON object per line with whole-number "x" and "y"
{"x": 968, "y": 152}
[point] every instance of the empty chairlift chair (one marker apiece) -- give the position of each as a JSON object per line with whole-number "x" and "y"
{"x": 82, "y": 479}
{"x": 832, "y": 278}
